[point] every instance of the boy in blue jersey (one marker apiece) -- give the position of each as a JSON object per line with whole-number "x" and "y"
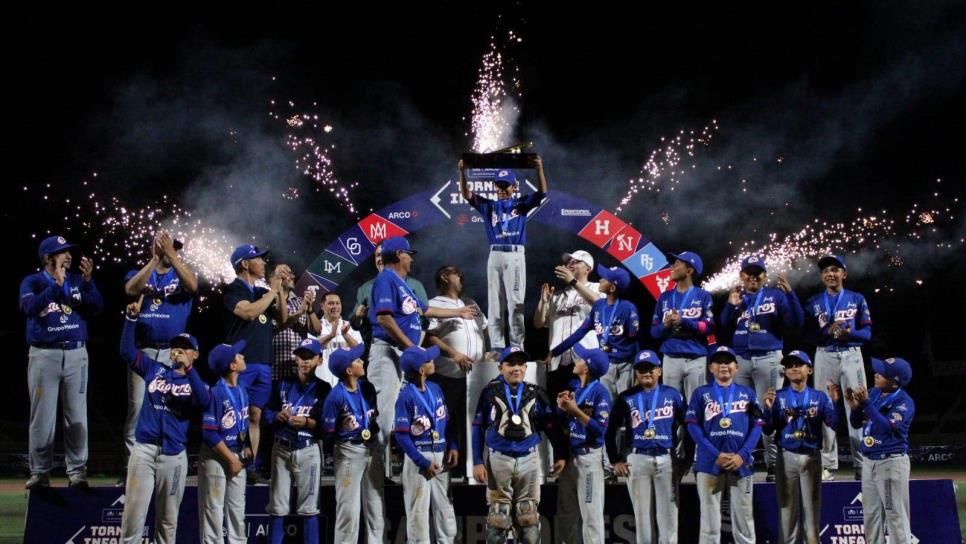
{"x": 585, "y": 407}
{"x": 650, "y": 413}
{"x": 157, "y": 463}
{"x": 424, "y": 432}
{"x": 725, "y": 422}
{"x": 760, "y": 317}
{"x": 295, "y": 410}
{"x": 884, "y": 416}
{"x": 797, "y": 413}
{"x": 509, "y": 418}
{"x": 166, "y": 286}
{"x": 225, "y": 450}
{"x": 616, "y": 323}
{"x": 57, "y": 304}
{"x": 837, "y": 322}
{"x": 349, "y": 419}
{"x": 505, "y": 220}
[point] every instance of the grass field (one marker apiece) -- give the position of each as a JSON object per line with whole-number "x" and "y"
{"x": 13, "y": 501}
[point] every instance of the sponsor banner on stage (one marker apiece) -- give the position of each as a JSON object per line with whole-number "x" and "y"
{"x": 94, "y": 516}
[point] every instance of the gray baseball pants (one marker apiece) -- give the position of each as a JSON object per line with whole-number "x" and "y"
{"x": 135, "y": 394}
{"x": 798, "y": 484}
{"x": 506, "y": 283}
{"x": 217, "y": 495}
{"x": 149, "y": 472}
{"x": 52, "y": 373}
{"x": 384, "y": 374}
{"x": 359, "y": 478}
{"x": 685, "y": 375}
{"x": 619, "y": 378}
{"x": 568, "y": 517}
{"x": 303, "y": 468}
{"x": 740, "y": 492}
{"x": 847, "y": 370}
{"x": 760, "y": 373}
{"x": 885, "y": 500}
{"x": 420, "y": 494}
{"x": 513, "y": 496}
{"x": 654, "y": 497}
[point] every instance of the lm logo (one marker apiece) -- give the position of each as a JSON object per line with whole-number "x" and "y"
{"x": 377, "y": 231}
{"x": 330, "y": 268}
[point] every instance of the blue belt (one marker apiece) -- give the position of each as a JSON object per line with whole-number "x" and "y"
{"x": 881, "y": 456}
{"x": 432, "y": 449}
{"x": 836, "y": 349}
{"x": 507, "y": 248}
{"x": 516, "y": 454}
{"x": 60, "y": 345}
{"x": 294, "y": 444}
{"x": 653, "y": 452}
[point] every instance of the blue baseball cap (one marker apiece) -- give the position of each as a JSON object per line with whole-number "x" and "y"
{"x": 691, "y": 258}
{"x": 342, "y": 358}
{"x": 246, "y": 252}
{"x": 394, "y": 244}
{"x": 597, "y": 361}
{"x": 893, "y": 368}
{"x": 797, "y": 356}
{"x": 616, "y": 275}
{"x": 310, "y": 345}
{"x": 722, "y": 352}
{"x": 828, "y": 260}
{"x": 753, "y": 261}
{"x": 222, "y": 355}
{"x": 52, "y": 245}
{"x": 510, "y": 351}
{"x": 414, "y": 357}
{"x": 647, "y": 357}
{"x": 183, "y": 341}
{"x": 506, "y": 177}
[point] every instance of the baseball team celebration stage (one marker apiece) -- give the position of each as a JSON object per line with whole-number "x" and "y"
{"x": 93, "y": 516}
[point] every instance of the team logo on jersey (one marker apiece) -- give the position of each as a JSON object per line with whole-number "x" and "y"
{"x": 420, "y": 425}
{"x": 441, "y": 412}
{"x": 349, "y": 422}
{"x": 160, "y": 385}
{"x": 228, "y": 419}
{"x": 896, "y": 416}
{"x": 693, "y": 312}
{"x": 409, "y": 305}
{"x": 636, "y": 418}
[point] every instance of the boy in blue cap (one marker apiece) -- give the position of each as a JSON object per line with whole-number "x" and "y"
{"x": 349, "y": 419}
{"x": 616, "y": 323}
{"x": 838, "y": 323}
{"x": 650, "y": 413}
{"x": 157, "y": 463}
{"x": 424, "y": 432}
{"x": 225, "y": 450}
{"x": 797, "y": 413}
{"x": 295, "y": 409}
{"x": 884, "y": 416}
{"x": 725, "y": 422}
{"x": 509, "y": 418}
{"x": 586, "y": 409}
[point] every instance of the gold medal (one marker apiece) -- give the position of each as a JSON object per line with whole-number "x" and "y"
{"x": 649, "y": 433}
{"x": 157, "y": 301}
{"x": 516, "y": 419}
{"x": 262, "y": 319}
{"x": 798, "y": 435}
{"x": 366, "y": 434}
{"x": 869, "y": 441}
{"x": 66, "y": 309}
{"x": 605, "y": 349}
{"x": 754, "y": 327}
{"x": 435, "y": 435}
{"x": 725, "y": 422}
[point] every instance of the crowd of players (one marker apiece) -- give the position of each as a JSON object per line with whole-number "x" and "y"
{"x": 437, "y": 380}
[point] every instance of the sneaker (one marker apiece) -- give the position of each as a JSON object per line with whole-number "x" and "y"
{"x": 255, "y": 478}
{"x": 78, "y": 481}
{"x": 37, "y": 480}
{"x": 770, "y": 475}
{"x": 827, "y": 475}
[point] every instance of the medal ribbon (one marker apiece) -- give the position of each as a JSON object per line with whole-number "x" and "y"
{"x": 514, "y": 408}
{"x": 309, "y": 389}
{"x": 586, "y": 391}
{"x": 65, "y": 288}
{"x": 731, "y": 397}
{"x": 830, "y": 311}
{"x": 503, "y": 208}
{"x": 753, "y": 311}
{"x": 609, "y": 320}
{"x": 653, "y": 411}
{"x": 803, "y": 407}
{"x": 237, "y": 406}
{"x": 157, "y": 285}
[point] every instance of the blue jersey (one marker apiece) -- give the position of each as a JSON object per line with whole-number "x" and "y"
{"x": 58, "y": 314}
{"x": 690, "y": 338}
{"x": 506, "y": 220}
{"x": 493, "y": 426}
{"x": 885, "y": 420}
{"x": 849, "y": 308}
{"x": 616, "y": 326}
{"x": 171, "y": 399}
{"x": 662, "y": 409}
{"x": 392, "y": 296}
{"x": 257, "y": 333}
{"x": 593, "y": 400}
{"x": 740, "y": 433}
{"x": 300, "y": 400}
{"x": 346, "y": 413}
{"x": 226, "y": 418}
{"x": 761, "y": 320}
{"x": 798, "y": 419}
{"x": 420, "y": 414}
{"x": 165, "y": 310}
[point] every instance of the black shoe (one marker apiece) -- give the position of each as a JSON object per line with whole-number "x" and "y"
{"x": 770, "y": 475}
{"x": 77, "y": 481}
{"x": 256, "y": 478}
{"x": 37, "y": 480}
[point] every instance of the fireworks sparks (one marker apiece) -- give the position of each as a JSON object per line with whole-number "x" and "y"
{"x": 495, "y": 97}
{"x": 663, "y": 169}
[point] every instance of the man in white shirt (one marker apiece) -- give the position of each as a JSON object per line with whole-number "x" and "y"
{"x": 335, "y": 334}
{"x": 462, "y": 342}
{"x": 564, "y": 311}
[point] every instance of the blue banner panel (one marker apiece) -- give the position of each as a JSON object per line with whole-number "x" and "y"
{"x": 566, "y": 212}
{"x": 69, "y": 515}
{"x": 415, "y": 212}
{"x": 648, "y": 260}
